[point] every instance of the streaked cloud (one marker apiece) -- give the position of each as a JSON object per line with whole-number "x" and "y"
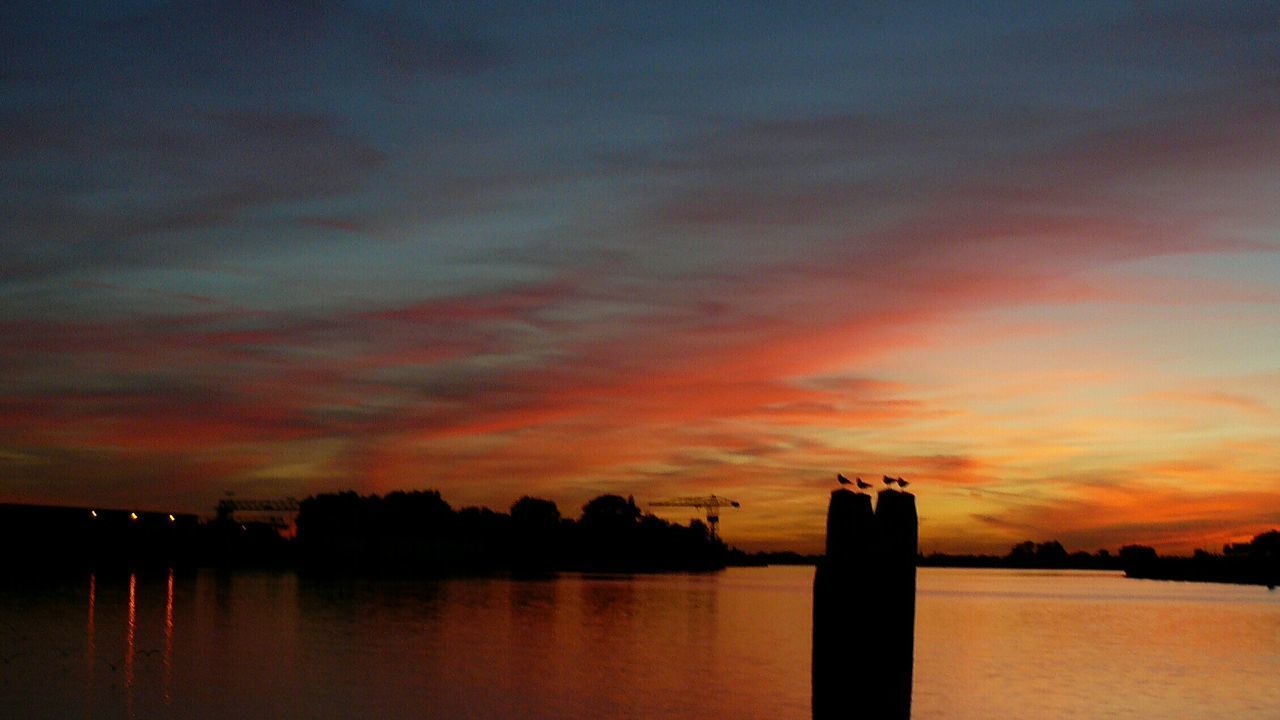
{"x": 1026, "y": 259}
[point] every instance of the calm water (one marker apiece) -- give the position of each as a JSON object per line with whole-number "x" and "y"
{"x": 990, "y": 644}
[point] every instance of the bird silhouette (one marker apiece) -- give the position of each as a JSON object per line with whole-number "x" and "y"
{"x": 902, "y": 483}
{"x": 842, "y": 479}
{"x": 863, "y": 485}
{"x": 888, "y": 480}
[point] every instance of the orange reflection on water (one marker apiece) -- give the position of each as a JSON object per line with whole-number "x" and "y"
{"x": 129, "y": 639}
{"x": 90, "y": 644}
{"x": 168, "y": 640}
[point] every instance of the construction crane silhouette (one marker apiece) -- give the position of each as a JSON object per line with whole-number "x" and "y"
{"x": 710, "y": 503}
{"x": 229, "y": 505}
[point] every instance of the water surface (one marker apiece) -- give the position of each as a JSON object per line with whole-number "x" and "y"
{"x": 989, "y": 643}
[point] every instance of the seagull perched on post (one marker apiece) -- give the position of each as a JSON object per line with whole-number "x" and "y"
{"x": 842, "y": 479}
{"x": 863, "y": 485}
{"x": 902, "y": 483}
{"x": 888, "y": 480}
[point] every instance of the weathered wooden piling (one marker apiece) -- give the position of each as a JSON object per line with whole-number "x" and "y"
{"x": 840, "y": 580}
{"x": 893, "y": 632}
{"x": 864, "y": 608}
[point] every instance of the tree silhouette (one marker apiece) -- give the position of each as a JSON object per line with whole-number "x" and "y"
{"x": 534, "y": 515}
{"x": 610, "y": 512}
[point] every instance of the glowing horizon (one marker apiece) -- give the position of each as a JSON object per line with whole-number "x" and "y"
{"x": 1026, "y": 258}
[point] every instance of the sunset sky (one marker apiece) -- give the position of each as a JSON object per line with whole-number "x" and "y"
{"x": 1026, "y": 256}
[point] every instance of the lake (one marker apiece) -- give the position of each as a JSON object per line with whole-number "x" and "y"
{"x": 735, "y": 644}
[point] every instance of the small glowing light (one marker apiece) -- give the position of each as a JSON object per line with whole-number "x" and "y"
{"x": 133, "y": 516}
{"x": 172, "y": 518}
{"x": 93, "y": 513}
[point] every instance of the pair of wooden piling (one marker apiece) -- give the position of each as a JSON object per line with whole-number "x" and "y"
{"x": 864, "y": 607}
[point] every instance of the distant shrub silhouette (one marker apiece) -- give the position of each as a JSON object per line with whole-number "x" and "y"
{"x": 1135, "y": 555}
{"x": 610, "y": 513}
{"x": 1255, "y": 562}
{"x": 1266, "y": 546}
{"x": 536, "y": 535}
{"x": 1043, "y": 555}
{"x": 530, "y": 514}
{"x": 346, "y": 531}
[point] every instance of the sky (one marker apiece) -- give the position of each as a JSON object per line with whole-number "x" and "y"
{"x": 1026, "y": 256}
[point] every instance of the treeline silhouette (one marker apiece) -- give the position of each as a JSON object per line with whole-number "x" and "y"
{"x": 1029, "y": 554}
{"x": 1050, "y": 555}
{"x": 418, "y": 532}
{"x": 742, "y": 558}
{"x": 1256, "y": 562}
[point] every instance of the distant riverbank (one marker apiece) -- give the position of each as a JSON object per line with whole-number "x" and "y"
{"x": 419, "y": 533}
{"x": 1256, "y": 562}
{"x": 401, "y": 533}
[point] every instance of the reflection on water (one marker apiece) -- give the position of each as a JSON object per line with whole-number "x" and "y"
{"x": 168, "y": 639}
{"x": 90, "y": 646}
{"x": 734, "y": 644}
{"x": 132, "y": 628}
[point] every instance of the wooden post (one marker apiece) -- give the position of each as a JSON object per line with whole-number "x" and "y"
{"x": 894, "y": 627}
{"x": 840, "y": 579}
{"x": 864, "y": 608}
